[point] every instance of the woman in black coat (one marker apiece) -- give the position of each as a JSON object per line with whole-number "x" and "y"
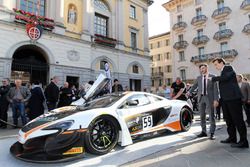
{"x": 36, "y": 107}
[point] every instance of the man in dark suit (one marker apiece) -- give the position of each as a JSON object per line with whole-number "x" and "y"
{"x": 116, "y": 87}
{"x": 208, "y": 97}
{"x": 231, "y": 104}
{"x": 52, "y": 93}
{"x": 4, "y": 103}
{"x": 245, "y": 90}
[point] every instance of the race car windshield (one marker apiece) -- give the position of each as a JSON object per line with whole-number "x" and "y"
{"x": 104, "y": 101}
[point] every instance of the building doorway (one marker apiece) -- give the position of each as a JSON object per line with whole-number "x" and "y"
{"x": 135, "y": 84}
{"x": 73, "y": 81}
{"x": 29, "y": 64}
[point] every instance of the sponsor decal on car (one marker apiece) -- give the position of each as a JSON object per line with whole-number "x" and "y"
{"x": 74, "y": 150}
{"x": 133, "y": 122}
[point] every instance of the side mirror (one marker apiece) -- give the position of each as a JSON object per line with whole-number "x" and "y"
{"x": 132, "y": 102}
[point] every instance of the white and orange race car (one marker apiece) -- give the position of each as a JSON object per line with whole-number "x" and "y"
{"x": 98, "y": 125}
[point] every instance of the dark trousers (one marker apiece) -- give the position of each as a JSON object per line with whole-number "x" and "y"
{"x": 232, "y": 110}
{"x": 51, "y": 105}
{"x": 218, "y": 111}
{"x": 246, "y": 107}
{"x": 4, "y": 114}
{"x": 18, "y": 108}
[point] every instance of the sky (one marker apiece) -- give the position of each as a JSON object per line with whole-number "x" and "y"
{"x": 158, "y": 18}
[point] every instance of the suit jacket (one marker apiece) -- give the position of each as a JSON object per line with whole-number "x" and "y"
{"x": 212, "y": 88}
{"x": 52, "y": 93}
{"x": 120, "y": 89}
{"x": 228, "y": 85}
{"x": 245, "y": 90}
{"x": 24, "y": 91}
{"x": 3, "y": 95}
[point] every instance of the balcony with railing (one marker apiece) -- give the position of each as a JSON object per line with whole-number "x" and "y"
{"x": 198, "y": 20}
{"x": 156, "y": 75}
{"x": 245, "y": 5}
{"x": 105, "y": 41}
{"x": 179, "y": 26}
{"x": 200, "y": 40}
{"x": 180, "y": 45}
{"x": 228, "y": 54}
{"x": 246, "y": 29}
{"x": 221, "y": 12}
{"x": 223, "y": 34}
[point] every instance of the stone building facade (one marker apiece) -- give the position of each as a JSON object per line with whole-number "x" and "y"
{"x": 85, "y": 35}
{"x": 204, "y": 29}
{"x": 161, "y": 66}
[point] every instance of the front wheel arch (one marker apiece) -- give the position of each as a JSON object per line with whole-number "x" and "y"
{"x": 186, "y": 118}
{"x": 113, "y": 126}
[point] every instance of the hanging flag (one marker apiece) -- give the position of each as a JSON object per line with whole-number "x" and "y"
{"x": 108, "y": 75}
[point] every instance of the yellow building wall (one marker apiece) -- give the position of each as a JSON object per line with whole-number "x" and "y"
{"x": 135, "y": 23}
{"x": 73, "y": 30}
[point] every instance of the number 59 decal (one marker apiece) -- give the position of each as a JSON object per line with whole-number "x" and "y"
{"x": 147, "y": 121}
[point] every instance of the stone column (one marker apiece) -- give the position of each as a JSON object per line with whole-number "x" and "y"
{"x": 9, "y": 4}
{"x": 91, "y": 17}
{"x": 59, "y": 17}
{"x": 6, "y": 8}
{"x": 51, "y": 12}
{"x": 120, "y": 24}
{"x": 145, "y": 32}
{"x": 86, "y": 21}
{"x": 1, "y": 3}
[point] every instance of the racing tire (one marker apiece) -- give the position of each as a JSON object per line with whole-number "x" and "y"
{"x": 185, "y": 119}
{"x": 102, "y": 135}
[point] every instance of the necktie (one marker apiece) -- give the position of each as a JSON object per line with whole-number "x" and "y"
{"x": 204, "y": 85}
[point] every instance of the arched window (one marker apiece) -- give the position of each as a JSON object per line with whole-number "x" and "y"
{"x": 101, "y": 17}
{"x": 135, "y": 69}
{"x": 102, "y": 64}
{"x": 33, "y": 6}
{"x": 101, "y": 5}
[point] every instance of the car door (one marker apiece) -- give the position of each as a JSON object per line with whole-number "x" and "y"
{"x": 135, "y": 110}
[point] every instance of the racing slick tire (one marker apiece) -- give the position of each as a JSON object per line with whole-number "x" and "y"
{"x": 185, "y": 119}
{"x": 102, "y": 135}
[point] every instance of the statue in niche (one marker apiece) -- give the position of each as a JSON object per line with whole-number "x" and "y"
{"x": 72, "y": 14}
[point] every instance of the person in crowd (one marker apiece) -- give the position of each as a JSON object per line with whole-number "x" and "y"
{"x": 178, "y": 90}
{"x": 245, "y": 90}
{"x": 18, "y": 96}
{"x": 116, "y": 87}
{"x": 218, "y": 111}
{"x": 52, "y": 93}
{"x": 81, "y": 92}
{"x": 245, "y": 79}
{"x": 37, "y": 99}
{"x": 74, "y": 92}
{"x": 126, "y": 88}
{"x": 91, "y": 82}
{"x": 231, "y": 104}
{"x": 4, "y": 103}
{"x": 65, "y": 95}
{"x": 28, "y": 85}
{"x": 188, "y": 87}
{"x": 162, "y": 91}
{"x": 167, "y": 92}
{"x": 208, "y": 97}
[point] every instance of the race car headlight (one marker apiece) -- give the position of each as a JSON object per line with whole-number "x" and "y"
{"x": 60, "y": 125}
